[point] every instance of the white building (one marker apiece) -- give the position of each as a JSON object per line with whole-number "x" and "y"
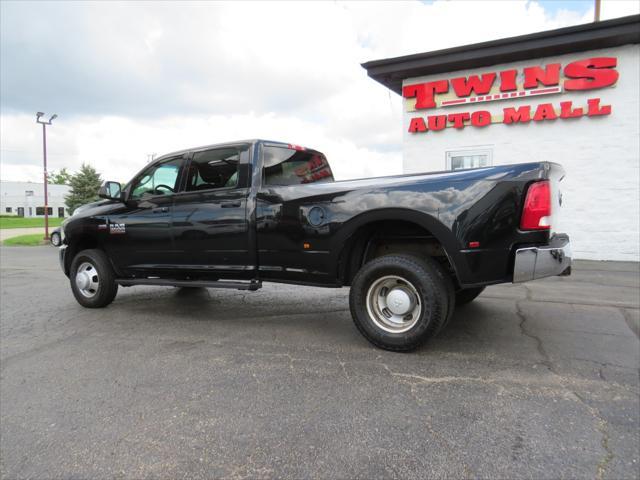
{"x": 26, "y": 199}
{"x": 570, "y": 96}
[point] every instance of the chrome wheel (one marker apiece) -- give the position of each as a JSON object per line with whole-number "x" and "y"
{"x": 87, "y": 279}
{"x": 393, "y": 304}
{"x": 55, "y": 239}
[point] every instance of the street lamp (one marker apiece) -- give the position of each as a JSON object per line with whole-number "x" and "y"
{"x": 44, "y": 152}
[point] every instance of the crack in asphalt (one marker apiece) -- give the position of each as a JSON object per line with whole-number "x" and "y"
{"x": 434, "y": 433}
{"x": 601, "y": 423}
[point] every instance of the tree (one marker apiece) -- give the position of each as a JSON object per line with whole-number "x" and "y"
{"x": 84, "y": 188}
{"x": 62, "y": 177}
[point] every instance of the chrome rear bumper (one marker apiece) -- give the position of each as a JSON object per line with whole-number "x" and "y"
{"x": 546, "y": 261}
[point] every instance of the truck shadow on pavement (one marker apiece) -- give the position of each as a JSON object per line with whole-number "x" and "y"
{"x": 321, "y": 315}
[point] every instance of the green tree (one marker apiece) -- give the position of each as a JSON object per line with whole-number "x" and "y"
{"x": 84, "y": 188}
{"x": 62, "y": 177}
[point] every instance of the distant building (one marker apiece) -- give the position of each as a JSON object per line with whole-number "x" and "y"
{"x": 26, "y": 199}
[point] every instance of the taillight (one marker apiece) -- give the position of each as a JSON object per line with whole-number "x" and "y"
{"x": 536, "y": 214}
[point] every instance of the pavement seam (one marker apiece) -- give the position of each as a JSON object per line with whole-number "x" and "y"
{"x": 467, "y": 469}
{"x": 581, "y": 303}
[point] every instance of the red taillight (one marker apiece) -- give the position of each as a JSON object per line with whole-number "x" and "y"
{"x": 536, "y": 214}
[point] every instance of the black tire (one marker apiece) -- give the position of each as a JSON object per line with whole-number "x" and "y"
{"x": 106, "y": 288}
{"x": 451, "y": 294}
{"x": 467, "y": 295}
{"x": 433, "y": 291}
{"x": 55, "y": 239}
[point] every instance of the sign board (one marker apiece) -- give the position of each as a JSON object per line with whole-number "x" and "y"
{"x": 535, "y": 81}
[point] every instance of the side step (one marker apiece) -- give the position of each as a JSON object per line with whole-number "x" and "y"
{"x": 167, "y": 282}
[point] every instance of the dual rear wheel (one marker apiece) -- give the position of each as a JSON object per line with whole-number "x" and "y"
{"x": 399, "y": 301}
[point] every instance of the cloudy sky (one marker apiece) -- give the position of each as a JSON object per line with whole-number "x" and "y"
{"x": 133, "y": 79}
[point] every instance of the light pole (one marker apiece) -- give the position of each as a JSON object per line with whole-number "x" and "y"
{"x": 46, "y": 179}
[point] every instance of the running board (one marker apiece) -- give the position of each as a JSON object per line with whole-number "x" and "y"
{"x": 167, "y": 282}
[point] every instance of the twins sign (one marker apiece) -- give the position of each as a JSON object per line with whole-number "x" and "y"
{"x": 535, "y": 81}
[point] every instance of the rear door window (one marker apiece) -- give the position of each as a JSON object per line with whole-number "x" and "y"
{"x": 213, "y": 169}
{"x": 287, "y": 166}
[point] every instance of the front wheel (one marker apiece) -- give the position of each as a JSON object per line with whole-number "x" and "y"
{"x": 398, "y": 301}
{"x": 55, "y": 239}
{"x": 92, "y": 279}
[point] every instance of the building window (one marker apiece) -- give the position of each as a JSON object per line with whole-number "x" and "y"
{"x": 30, "y": 212}
{"x": 40, "y": 210}
{"x": 28, "y": 193}
{"x": 21, "y": 211}
{"x": 469, "y": 158}
{"x": 61, "y": 212}
{"x": 8, "y": 210}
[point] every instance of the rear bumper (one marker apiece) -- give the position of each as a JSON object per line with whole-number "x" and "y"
{"x": 546, "y": 261}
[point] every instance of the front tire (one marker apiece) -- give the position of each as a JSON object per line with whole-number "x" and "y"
{"x": 92, "y": 278}
{"x": 399, "y": 301}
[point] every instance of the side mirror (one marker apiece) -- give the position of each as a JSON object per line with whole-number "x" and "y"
{"x": 110, "y": 191}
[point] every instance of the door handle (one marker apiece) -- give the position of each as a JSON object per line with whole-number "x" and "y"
{"x": 230, "y": 204}
{"x": 160, "y": 210}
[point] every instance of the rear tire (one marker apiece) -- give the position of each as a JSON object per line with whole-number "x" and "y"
{"x": 468, "y": 295}
{"x": 92, "y": 279}
{"x": 399, "y": 301}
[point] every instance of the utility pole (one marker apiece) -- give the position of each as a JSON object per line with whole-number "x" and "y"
{"x": 46, "y": 177}
{"x": 596, "y": 16}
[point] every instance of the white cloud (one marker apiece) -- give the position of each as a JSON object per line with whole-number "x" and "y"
{"x": 618, "y": 8}
{"x": 130, "y": 79}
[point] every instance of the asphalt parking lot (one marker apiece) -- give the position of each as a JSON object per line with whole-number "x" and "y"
{"x": 529, "y": 381}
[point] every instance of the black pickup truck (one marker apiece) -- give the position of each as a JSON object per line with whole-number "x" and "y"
{"x": 233, "y": 215}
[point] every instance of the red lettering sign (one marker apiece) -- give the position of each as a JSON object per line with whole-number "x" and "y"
{"x": 437, "y": 122}
{"x": 544, "y": 111}
{"x": 590, "y": 73}
{"x": 534, "y": 76}
{"x": 424, "y": 93}
{"x": 596, "y": 109}
{"x": 480, "y": 118}
{"x": 567, "y": 110}
{"x": 458, "y": 119}
{"x": 508, "y": 80}
{"x": 519, "y": 115}
{"x": 417, "y": 125}
{"x": 511, "y": 115}
{"x": 464, "y": 86}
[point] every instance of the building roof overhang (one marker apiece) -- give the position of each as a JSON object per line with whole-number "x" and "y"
{"x": 609, "y": 33}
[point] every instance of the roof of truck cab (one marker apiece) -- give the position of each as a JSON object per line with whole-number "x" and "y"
{"x": 251, "y": 141}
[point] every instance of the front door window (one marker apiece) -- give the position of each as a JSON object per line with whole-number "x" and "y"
{"x": 160, "y": 179}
